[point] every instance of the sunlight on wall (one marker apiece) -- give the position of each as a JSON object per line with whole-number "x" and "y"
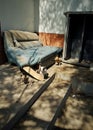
{"x": 51, "y": 15}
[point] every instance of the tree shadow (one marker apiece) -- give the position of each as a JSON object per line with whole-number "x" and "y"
{"x": 78, "y": 108}
{"x": 48, "y": 102}
{"x": 35, "y": 123}
{"x": 10, "y": 81}
{"x": 51, "y": 13}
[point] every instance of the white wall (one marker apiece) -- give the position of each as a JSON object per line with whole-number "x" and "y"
{"x": 36, "y": 15}
{"x": 17, "y": 14}
{"x": 51, "y": 17}
{"x": 39, "y": 15}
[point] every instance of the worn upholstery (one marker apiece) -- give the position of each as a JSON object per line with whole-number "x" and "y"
{"x": 24, "y": 48}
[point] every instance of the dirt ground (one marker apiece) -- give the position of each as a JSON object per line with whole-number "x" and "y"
{"x": 14, "y": 93}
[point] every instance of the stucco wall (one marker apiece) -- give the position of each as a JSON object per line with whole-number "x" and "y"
{"x": 39, "y": 15}
{"x": 51, "y": 17}
{"x": 17, "y": 14}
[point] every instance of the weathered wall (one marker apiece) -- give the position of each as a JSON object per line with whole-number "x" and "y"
{"x": 51, "y": 39}
{"x": 51, "y": 15}
{"x": 52, "y": 19}
{"x": 17, "y": 14}
{"x": 47, "y": 16}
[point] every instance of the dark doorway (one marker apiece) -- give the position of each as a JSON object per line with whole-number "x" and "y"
{"x": 78, "y": 42}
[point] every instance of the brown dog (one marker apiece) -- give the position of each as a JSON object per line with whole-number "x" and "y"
{"x": 58, "y": 60}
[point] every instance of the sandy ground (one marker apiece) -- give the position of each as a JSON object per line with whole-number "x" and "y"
{"x": 14, "y": 93}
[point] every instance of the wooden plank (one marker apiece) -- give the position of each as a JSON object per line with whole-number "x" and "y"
{"x": 60, "y": 107}
{"x": 28, "y": 105}
{"x": 33, "y": 73}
